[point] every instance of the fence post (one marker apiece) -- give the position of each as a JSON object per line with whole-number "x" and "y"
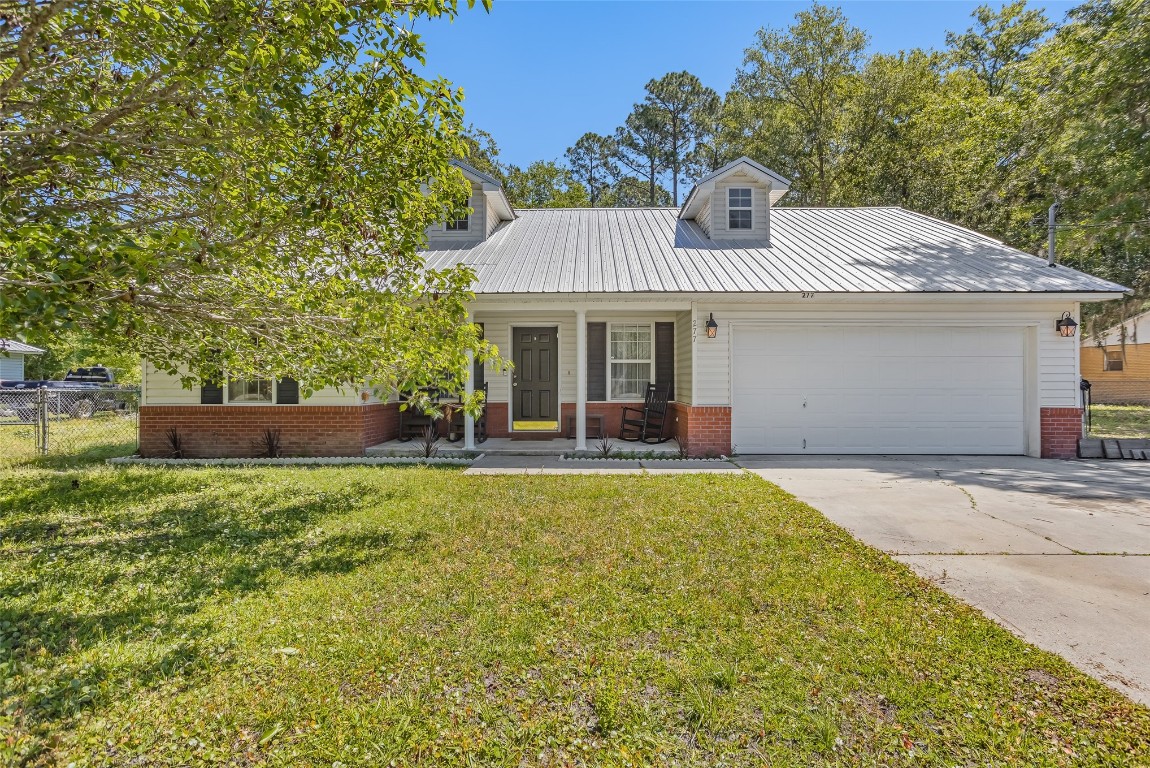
{"x": 42, "y": 419}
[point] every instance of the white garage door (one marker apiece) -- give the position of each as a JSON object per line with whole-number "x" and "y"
{"x": 868, "y": 389}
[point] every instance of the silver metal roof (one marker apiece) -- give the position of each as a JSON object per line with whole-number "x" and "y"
{"x": 12, "y": 346}
{"x": 650, "y": 250}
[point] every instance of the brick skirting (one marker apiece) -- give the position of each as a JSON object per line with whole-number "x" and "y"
{"x": 706, "y": 428}
{"x": 1061, "y": 431}
{"x": 233, "y": 431}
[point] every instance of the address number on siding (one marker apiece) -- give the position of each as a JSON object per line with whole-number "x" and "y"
{"x": 808, "y": 294}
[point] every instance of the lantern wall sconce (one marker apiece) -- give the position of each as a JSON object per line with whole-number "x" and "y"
{"x": 712, "y": 327}
{"x": 1065, "y": 325}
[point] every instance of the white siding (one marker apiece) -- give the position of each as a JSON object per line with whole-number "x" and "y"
{"x": 703, "y": 218}
{"x": 11, "y": 367}
{"x": 492, "y": 219}
{"x": 760, "y": 207}
{"x": 497, "y": 329}
{"x": 437, "y": 234}
{"x": 1055, "y": 361}
{"x": 683, "y": 378}
{"x": 163, "y": 389}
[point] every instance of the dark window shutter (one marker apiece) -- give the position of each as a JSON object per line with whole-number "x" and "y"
{"x": 287, "y": 392}
{"x": 665, "y": 356}
{"x": 211, "y": 394}
{"x": 596, "y": 361}
{"x": 478, "y": 375}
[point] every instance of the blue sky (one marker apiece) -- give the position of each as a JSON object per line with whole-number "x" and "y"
{"x": 537, "y": 74}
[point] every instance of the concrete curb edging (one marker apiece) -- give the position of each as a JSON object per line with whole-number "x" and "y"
{"x": 323, "y": 461}
{"x": 625, "y": 457}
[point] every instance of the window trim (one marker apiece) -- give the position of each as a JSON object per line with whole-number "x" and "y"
{"x": 227, "y": 387}
{"x": 611, "y": 359}
{"x": 453, "y": 225}
{"x": 750, "y": 208}
{"x": 1107, "y": 361}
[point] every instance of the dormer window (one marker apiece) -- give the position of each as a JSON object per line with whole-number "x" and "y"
{"x": 739, "y": 208}
{"x": 461, "y": 224}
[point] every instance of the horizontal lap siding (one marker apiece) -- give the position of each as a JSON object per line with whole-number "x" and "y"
{"x": 163, "y": 389}
{"x": 1131, "y": 385}
{"x": 1057, "y": 367}
{"x": 683, "y": 362}
{"x": 760, "y": 206}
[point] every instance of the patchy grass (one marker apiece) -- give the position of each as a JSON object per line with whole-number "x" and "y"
{"x": 369, "y": 616}
{"x": 71, "y": 442}
{"x": 1120, "y": 421}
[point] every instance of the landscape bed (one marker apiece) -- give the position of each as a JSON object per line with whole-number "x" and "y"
{"x": 417, "y": 616}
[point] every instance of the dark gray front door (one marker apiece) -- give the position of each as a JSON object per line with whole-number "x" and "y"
{"x": 535, "y": 380}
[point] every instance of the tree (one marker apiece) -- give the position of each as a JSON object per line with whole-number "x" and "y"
{"x": 482, "y": 153}
{"x": 641, "y": 148}
{"x": 242, "y": 188}
{"x": 683, "y": 106}
{"x": 592, "y": 163}
{"x": 545, "y": 184}
{"x": 631, "y": 192}
{"x": 797, "y": 81}
{"x": 998, "y": 41}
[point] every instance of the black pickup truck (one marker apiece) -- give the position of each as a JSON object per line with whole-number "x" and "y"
{"x": 81, "y": 394}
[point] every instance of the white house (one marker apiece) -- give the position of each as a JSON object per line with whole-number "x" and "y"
{"x": 12, "y": 354}
{"x": 833, "y": 330}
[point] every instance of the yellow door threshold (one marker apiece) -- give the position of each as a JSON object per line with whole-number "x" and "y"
{"x": 535, "y": 426}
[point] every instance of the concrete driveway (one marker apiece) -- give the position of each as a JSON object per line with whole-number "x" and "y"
{"x": 1057, "y": 551}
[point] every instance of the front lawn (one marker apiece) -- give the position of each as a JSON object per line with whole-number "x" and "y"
{"x": 1119, "y": 421}
{"x": 372, "y": 616}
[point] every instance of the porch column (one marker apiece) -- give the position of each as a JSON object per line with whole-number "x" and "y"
{"x": 469, "y": 390}
{"x": 580, "y": 379}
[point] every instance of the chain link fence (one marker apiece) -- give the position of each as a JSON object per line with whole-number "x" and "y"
{"x": 67, "y": 424}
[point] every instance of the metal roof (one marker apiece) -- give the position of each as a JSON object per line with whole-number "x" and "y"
{"x": 651, "y": 250}
{"x": 16, "y": 347}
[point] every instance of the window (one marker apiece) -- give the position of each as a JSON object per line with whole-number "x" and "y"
{"x": 463, "y": 223}
{"x": 631, "y": 350}
{"x": 739, "y": 208}
{"x": 249, "y": 391}
{"x": 1114, "y": 360}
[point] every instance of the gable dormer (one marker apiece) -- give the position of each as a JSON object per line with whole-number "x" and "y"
{"x": 734, "y": 202}
{"x": 489, "y": 208}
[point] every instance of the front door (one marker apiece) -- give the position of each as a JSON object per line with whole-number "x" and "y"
{"x": 535, "y": 379}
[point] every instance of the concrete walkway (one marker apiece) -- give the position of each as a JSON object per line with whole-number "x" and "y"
{"x": 1057, "y": 551}
{"x": 499, "y": 464}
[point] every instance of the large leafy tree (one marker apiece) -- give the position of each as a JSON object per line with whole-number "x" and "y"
{"x": 791, "y": 90}
{"x": 684, "y": 109}
{"x": 592, "y": 162}
{"x": 545, "y": 184}
{"x": 999, "y": 40}
{"x": 238, "y": 186}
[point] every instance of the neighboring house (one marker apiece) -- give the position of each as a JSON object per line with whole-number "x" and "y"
{"x": 836, "y": 330}
{"x": 12, "y": 354}
{"x": 1117, "y": 362}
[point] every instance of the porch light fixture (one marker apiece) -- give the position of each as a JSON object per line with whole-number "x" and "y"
{"x": 1065, "y": 325}
{"x": 712, "y": 327}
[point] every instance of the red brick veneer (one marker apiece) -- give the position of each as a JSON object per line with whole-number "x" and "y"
{"x": 1061, "y": 429}
{"x": 706, "y": 428}
{"x": 230, "y": 431}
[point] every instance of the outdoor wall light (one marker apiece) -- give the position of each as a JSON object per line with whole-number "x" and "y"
{"x": 712, "y": 327}
{"x": 1065, "y": 325}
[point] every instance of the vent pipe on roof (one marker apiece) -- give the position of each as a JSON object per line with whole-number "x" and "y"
{"x": 1050, "y": 214}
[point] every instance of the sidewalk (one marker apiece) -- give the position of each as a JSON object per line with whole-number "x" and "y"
{"x": 553, "y": 465}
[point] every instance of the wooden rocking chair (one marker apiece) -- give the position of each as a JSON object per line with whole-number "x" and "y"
{"x": 648, "y": 424}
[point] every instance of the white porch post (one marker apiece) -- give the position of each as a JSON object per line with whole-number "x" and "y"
{"x": 469, "y": 390}
{"x": 580, "y": 379}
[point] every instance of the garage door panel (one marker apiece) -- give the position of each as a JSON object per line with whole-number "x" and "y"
{"x": 870, "y": 389}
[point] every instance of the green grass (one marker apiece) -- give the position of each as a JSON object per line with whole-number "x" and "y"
{"x": 372, "y": 616}
{"x": 1120, "y": 421}
{"x": 71, "y": 442}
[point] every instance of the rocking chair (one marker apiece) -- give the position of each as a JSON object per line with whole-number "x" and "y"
{"x": 649, "y": 423}
{"x": 458, "y": 423}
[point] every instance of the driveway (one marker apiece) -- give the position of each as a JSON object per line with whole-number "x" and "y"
{"x": 1057, "y": 551}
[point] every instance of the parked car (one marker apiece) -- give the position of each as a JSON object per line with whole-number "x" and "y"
{"x": 82, "y": 393}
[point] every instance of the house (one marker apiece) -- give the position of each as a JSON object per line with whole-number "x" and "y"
{"x": 1117, "y": 362}
{"x": 780, "y": 330}
{"x": 12, "y": 354}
